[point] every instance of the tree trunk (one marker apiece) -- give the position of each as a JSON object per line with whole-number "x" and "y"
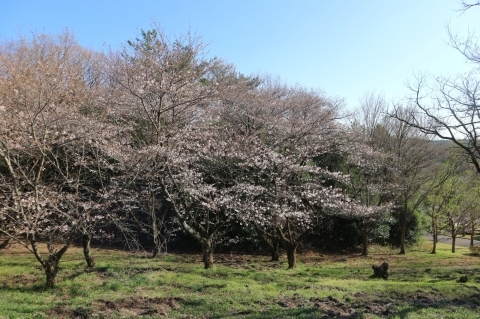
{"x": 155, "y": 251}
{"x": 365, "y": 240}
{"x": 207, "y": 253}
{"x": 274, "y": 248}
{"x": 156, "y": 241}
{"x": 155, "y": 233}
{"x": 453, "y": 233}
{"x": 51, "y": 266}
{"x": 402, "y": 237}
{"x": 86, "y": 250}
{"x": 5, "y": 243}
{"x": 291, "y": 255}
{"x": 434, "y": 248}
{"x": 51, "y": 270}
{"x": 472, "y": 234}
{"x": 435, "y": 237}
{"x": 453, "y": 242}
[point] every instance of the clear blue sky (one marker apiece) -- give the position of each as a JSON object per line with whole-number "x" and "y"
{"x": 344, "y": 48}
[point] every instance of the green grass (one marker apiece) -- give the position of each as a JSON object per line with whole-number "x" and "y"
{"x": 126, "y": 285}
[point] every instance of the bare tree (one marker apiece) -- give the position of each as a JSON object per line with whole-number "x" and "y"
{"x": 450, "y": 103}
{"x": 414, "y": 155}
{"x": 465, "y": 5}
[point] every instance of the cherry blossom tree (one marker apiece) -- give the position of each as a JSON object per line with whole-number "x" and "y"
{"x": 166, "y": 90}
{"x": 372, "y": 183}
{"x": 286, "y": 192}
{"x": 46, "y": 84}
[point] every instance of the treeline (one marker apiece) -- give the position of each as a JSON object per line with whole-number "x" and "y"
{"x": 157, "y": 141}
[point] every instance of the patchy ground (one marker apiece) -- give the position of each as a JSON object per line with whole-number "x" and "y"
{"x": 131, "y": 285}
{"x": 361, "y": 303}
{"x": 380, "y": 305}
{"x": 133, "y": 307}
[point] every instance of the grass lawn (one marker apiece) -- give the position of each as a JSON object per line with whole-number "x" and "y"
{"x": 126, "y": 285}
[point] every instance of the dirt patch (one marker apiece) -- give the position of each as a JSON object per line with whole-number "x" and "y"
{"x": 133, "y": 307}
{"x": 292, "y": 301}
{"x": 380, "y": 305}
{"x": 60, "y": 312}
{"x": 23, "y": 280}
{"x": 330, "y": 306}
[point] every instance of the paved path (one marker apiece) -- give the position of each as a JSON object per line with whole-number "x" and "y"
{"x": 463, "y": 242}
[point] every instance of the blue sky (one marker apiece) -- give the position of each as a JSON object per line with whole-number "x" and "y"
{"x": 344, "y": 48}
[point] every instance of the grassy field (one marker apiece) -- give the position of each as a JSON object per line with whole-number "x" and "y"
{"x": 126, "y": 285}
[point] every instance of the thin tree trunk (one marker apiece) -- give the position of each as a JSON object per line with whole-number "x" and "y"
{"x": 272, "y": 240}
{"x": 365, "y": 239}
{"x": 453, "y": 233}
{"x": 274, "y": 249}
{"x": 291, "y": 255}
{"x": 435, "y": 237}
{"x": 156, "y": 241}
{"x": 87, "y": 238}
{"x": 155, "y": 231}
{"x": 402, "y": 237}
{"x": 454, "y": 237}
{"x": 472, "y": 234}
{"x": 207, "y": 253}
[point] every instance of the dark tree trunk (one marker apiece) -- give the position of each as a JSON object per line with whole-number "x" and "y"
{"x": 155, "y": 251}
{"x": 402, "y": 236}
{"x": 272, "y": 240}
{"x": 365, "y": 239}
{"x": 453, "y": 233}
{"x": 86, "y": 250}
{"x": 207, "y": 253}
{"x": 5, "y": 243}
{"x": 274, "y": 248}
{"x": 435, "y": 237}
{"x": 51, "y": 270}
{"x": 52, "y": 266}
{"x": 292, "y": 255}
{"x": 472, "y": 234}
{"x": 454, "y": 237}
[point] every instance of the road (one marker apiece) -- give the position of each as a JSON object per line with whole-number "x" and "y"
{"x": 463, "y": 242}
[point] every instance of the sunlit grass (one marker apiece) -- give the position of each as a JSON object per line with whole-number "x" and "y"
{"x": 246, "y": 286}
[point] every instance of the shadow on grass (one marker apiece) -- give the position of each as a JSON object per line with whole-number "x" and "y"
{"x": 36, "y": 288}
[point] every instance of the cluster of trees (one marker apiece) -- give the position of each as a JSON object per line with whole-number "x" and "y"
{"x": 453, "y": 206}
{"x": 447, "y": 108}
{"x": 157, "y": 138}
